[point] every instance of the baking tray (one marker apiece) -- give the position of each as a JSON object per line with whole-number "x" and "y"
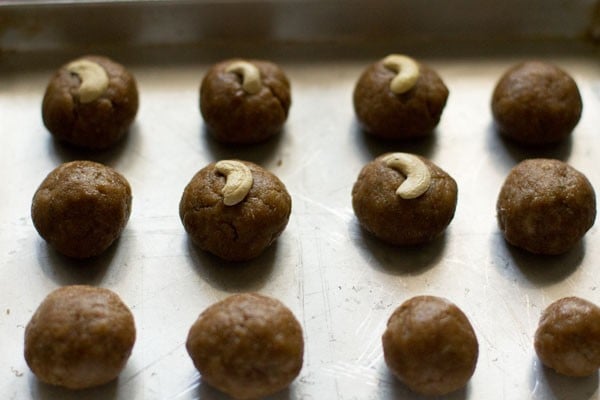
{"x": 341, "y": 283}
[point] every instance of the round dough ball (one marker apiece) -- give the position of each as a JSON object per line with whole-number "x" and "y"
{"x": 545, "y": 206}
{"x": 387, "y": 115}
{"x": 96, "y": 124}
{"x": 568, "y": 337}
{"x": 248, "y": 346}
{"x": 401, "y": 221}
{"x": 238, "y": 232}
{"x": 235, "y": 116}
{"x": 536, "y": 103}
{"x": 430, "y": 346}
{"x": 79, "y": 337}
{"x": 81, "y": 208}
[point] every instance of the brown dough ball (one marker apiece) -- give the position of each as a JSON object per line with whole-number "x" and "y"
{"x": 400, "y": 221}
{"x": 387, "y": 115}
{"x": 545, "y": 206}
{"x": 430, "y": 346}
{"x": 239, "y": 232}
{"x": 568, "y": 337}
{"x": 237, "y": 117}
{"x": 97, "y": 124}
{"x": 79, "y": 337}
{"x": 81, "y": 208}
{"x": 248, "y": 346}
{"x": 535, "y": 103}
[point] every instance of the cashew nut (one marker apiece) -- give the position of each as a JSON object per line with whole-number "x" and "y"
{"x": 407, "y": 72}
{"x": 250, "y": 74}
{"x": 418, "y": 176}
{"x": 238, "y": 181}
{"x": 94, "y": 79}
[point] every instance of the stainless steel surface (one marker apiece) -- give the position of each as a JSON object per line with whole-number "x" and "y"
{"x": 340, "y": 283}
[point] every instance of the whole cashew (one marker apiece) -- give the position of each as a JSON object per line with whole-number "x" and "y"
{"x": 250, "y": 74}
{"x": 418, "y": 176}
{"x": 238, "y": 181}
{"x": 94, "y": 79}
{"x": 407, "y": 72}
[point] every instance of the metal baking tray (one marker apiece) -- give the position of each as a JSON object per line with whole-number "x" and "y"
{"x": 341, "y": 283}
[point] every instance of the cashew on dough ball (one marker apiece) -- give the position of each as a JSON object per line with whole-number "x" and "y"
{"x": 79, "y": 337}
{"x": 81, "y": 208}
{"x": 568, "y": 337}
{"x": 240, "y": 231}
{"x": 430, "y": 346}
{"x": 397, "y": 220}
{"x": 90, "y": 103}
{"x": 248, "y": 346}
{"x": 398, "y": 116}
{"x": 236, "y": 112}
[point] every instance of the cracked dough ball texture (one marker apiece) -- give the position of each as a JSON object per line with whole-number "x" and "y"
{"x": 79, "y": 337}
{"x": 387, "y": 115}
{"x": 536, "y": 103}
{"x": 430, "y": 346}
{"x": 81, "y": 208}
{"x": 248, "y": 346}
{"x": 239, "y": 232}
{"x": 236, "y": 117}
{"x": 568, "y": 337}
{"x": 95, "y": 125}
{"x": 399, "y": 221}
{"x": 545, "y": 206}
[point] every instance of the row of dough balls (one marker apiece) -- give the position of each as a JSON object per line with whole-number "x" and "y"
{"x": 236, "y": 209}
{"x": 91, "y": 102}
{"x": 250, "y": 345}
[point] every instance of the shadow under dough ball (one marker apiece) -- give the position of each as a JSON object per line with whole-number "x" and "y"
{"x": 430, "y": 346}
{"x": 81, "y": 208}
{"x": 404, "y": 112}
{"x": 248, "y": 346}
{"x": 568, "y": 337}
{"x": 536, "y": 103}
{"x": 244, "y": 102}
{"x": 404, "y": 199}
{"x": 234, "y": 209}
{"x": 79, "y": 337}
{"x": 90, "y": 102}
{"x": 545, "y": 206}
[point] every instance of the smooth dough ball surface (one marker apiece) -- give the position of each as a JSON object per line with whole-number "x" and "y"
{"x": 430, "y": 346}
{"x": 545, "y": 206}
{"x": 79, "y": 337}
{"x": 248, "y": 346}
{"x": 81, "y": 208}
{"x": 536, "y": 103}
{"x": 568, "y": 337}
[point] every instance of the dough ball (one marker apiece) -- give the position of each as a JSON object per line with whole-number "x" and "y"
{"x": 568, "y": 337}
{"x": 235, "y": 116}
{"x": 536, "y": 103}
{"x": 545, "y": 206}
{"x": 248, "y": 346}
{"x": 387, "y": 115}
{"x": 95, "y": 124}
{"x": 238, "y": 232}
{"x": 430, "y": 346}
{"x": 400, "y": 221}
{"x": 81, "y": 208}
{"x": 79, "y": 337}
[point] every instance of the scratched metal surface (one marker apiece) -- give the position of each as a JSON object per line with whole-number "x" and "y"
{"x": 340, "y": 283}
